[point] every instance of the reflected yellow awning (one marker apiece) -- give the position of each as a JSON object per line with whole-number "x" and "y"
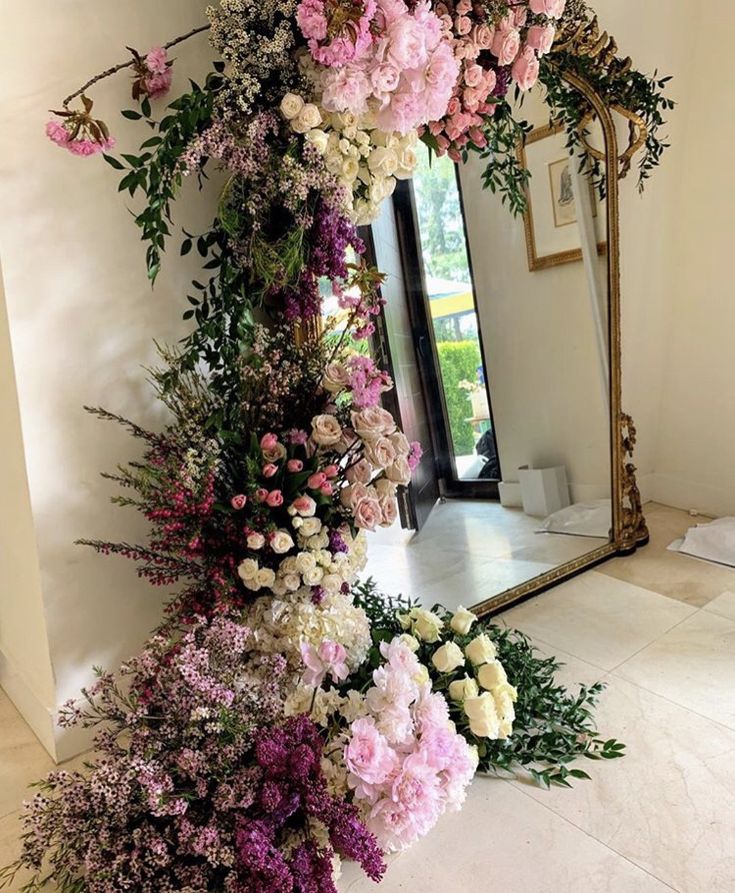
{"x": 451, "y": 305}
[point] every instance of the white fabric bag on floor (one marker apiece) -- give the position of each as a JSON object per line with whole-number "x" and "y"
{"x": 712, "y": 542}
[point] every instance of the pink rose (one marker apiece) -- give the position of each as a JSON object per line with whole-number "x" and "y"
{"x": 261, "y": 494}
{"x": 359, "y": 473}
{"x": 304, "y": 506}
{"x": 463, "y": 7}
{"x": 274, "y": 499}
{"x": 368, "y": 756}
{"x": 506, "y": 45}
{"x": 373, "y": 422}
{"x": 316, "y": 480}
{"x": 270, "y": 470}
{"x": 331, "y": 471}
{"x": 483, "y": 36}
{"x": 462, "y": 25}
{"x": 541, "y": 38}
{"x": 554, "y": 9}
{"x": 295, "y": 465}
{"x": 389, "y": 510}
{"x": 526, "y": 69}
{"x": 158, "y": 85}
{"x": 238, "y": 502}
{"x": 452, "y": 109}
{"x": 368, "y": 514}
{"x": 268, "y": 442}
{"x": 327, "y": 489}
{"x": 520, "y": 15}
{"x": 473, "y": 75}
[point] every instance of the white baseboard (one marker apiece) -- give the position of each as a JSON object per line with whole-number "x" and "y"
{"x": 680, "y": 493}
{"x": 39, "y": 716}
{"x": 510, "y": 493}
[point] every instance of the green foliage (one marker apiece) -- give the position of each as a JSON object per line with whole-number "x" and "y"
{"x": 553, "y": 726}
{"x": 504, "y": 174}
{"x": 458, "y": 361}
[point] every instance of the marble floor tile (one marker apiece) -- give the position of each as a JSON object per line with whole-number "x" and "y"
{"x": 724, "y": 605}
{"x": 505, "y": 841}
{"x": 22, "y": 759}
{"x": 670, "y": 573}
{"x": 10, "y": 847}
{"x": 692, "y": 665}
{"x": 597, "y": 618}
{"x": 669, "y": 804}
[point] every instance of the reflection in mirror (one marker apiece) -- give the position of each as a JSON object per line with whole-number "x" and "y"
{"x": 511, "y": 336}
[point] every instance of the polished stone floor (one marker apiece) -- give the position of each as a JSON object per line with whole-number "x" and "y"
{"x": 659, "y": 628}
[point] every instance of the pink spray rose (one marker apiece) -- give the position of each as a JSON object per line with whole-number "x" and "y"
{"x": 238, "y": 502}
{"x": 295, "y": 465}
{"x": 274, "y": 499}
{"x": 261, "y": 494}
{"x": 316, "y": 480}
{"x": 270, "y": 470}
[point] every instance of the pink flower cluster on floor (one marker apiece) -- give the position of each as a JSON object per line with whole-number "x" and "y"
{"x": 406, "y": 762}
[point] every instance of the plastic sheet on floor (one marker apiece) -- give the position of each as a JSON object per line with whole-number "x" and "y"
{"x": 714, "y": 541}
{"x": 581, "y": 519}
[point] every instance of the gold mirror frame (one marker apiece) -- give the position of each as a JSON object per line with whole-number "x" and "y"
{"x": 629, "y": 529}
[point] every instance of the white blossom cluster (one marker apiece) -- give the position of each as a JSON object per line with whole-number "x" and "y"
{"x": 364, "y": 159}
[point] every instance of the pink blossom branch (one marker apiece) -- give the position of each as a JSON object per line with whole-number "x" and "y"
{"x": 109, "y": 72}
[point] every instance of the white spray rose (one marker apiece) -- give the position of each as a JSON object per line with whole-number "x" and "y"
{"x": 310, "y": 527}
{"x": 248, "y": 569}
{"x": 281, "y": 542}
{"x": 481, "y": 650}
{"x": 255, "y": 541}
{"x": 448, "y": 658}
{"x": 291, "y": 106}
{"x": 266, "y": 577}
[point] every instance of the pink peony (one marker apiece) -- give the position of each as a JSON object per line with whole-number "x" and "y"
{"x": 526, "y": 69}
{"x": 335, "y": 44}
{"x": 328, "y": 658}
{"x": 368, "y": 756}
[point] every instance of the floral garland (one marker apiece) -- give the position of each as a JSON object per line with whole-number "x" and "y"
{"x": 284, "y": 714}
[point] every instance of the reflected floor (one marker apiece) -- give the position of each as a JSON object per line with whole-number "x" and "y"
{"x": 501, "y": 544}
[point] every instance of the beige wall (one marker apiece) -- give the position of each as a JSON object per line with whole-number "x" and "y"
{"x": 81, "y": 318}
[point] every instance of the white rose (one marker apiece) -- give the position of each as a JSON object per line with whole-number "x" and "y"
{"x": 380, "y": 453}
{"x": 491, "y": 675}
{"x": 405, "y": 620}
{"x": 410, "y": 642}
{"x": 307, "y": 119}
{"x": 483, "y": 717}
{"x": 318, "y": 139}
{"x": 399, "y": 472}
{"x": 447, "y": 658}
{"x": 255, "y": 541}
{"x": 332, "y": 582}
{"x": 281, "y": 542}
{"x": 248, "y": 570}
{"x": 305, "y": 562}
{"x": 389, "y": 510}
{"x": 427, "y": 626}
{"x": 266, "y": 577}
{"x": 407, "y": 162}
{"x": 462, "y": 621}
{"x": 314, "y": 576}
{"x": 325, "y": 430}
{"x": 481, "y": 650}
{"x": 461, "y": 689}
{"x": 310, "y": 527}
{"x": 336, "y": 378}
{"x": 383, "y": 161}
{"x": 349, "y": 169}
{"x": 400, "y": 443}
{"x": 333, "y": 162}
{"x": 292, "y": 582}
{"x": 359, "y": 473}
{"x": 291, "y": 106}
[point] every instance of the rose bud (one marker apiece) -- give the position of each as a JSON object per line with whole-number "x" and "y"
{"x": 238, "y": 502}
{"x": 316, "y": 480}
{"x": 326, "y": 489}
{"x": 331, "y": 471}
{"x": 268, "y": 441}
{"x": 295, "y": 465}
{"x": 274, "y": 499}
{"x": 261, "y": 494}
{"x": 270, "y": 470}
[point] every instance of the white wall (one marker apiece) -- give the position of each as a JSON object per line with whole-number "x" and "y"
{"x": 81, "y": 318}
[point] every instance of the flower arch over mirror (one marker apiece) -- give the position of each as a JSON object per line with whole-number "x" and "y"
{"x": 285, "y": 714}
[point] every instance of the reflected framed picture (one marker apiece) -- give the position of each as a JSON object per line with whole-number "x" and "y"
{"x": 552, "y": 219}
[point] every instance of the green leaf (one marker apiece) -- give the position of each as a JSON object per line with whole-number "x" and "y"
{"x": 131, "y": 115}
{"x": 114, "y": 162}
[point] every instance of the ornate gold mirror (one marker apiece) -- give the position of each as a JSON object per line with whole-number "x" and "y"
{"x": 503, "y": 336}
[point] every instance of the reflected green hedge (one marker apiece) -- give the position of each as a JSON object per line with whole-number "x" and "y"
{"x": 459, "y": 361}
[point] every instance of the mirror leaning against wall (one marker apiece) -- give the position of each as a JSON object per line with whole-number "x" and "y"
{"x": 511, "y": 374}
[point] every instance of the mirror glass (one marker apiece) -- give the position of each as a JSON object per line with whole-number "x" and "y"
{"x": 512, "y": 350}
